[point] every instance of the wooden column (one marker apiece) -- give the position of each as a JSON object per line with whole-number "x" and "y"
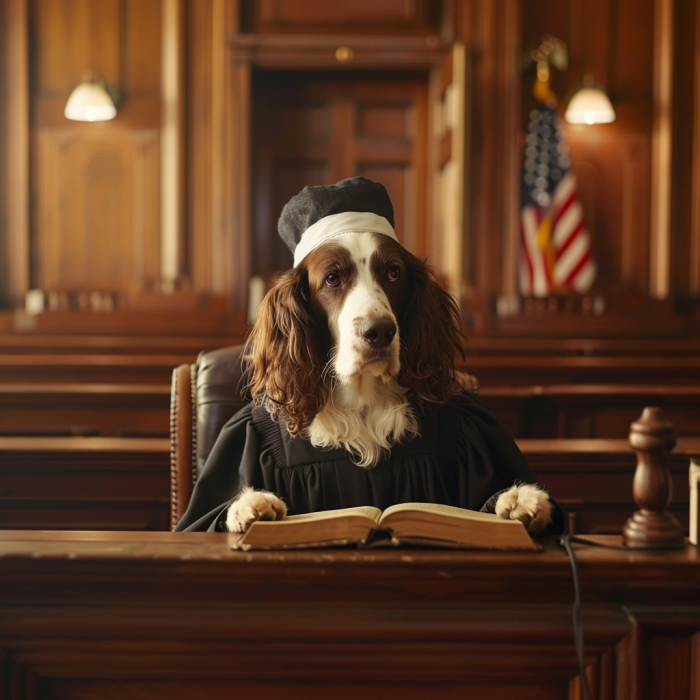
{"x": 219, "y": 159}
{"x": 496, "y": 153}
{"x": 14, "y": 151}
{"x": 660, "y": 252}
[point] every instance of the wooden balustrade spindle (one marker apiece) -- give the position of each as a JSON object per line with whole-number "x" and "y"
{"x": 652, "y": 438}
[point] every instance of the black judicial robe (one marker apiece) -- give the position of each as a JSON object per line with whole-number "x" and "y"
{"x": 462, "y": 457}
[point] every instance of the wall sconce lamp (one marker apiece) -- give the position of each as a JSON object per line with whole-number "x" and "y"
{"x": 590, "y": 105}
{"x": 90, "y": 102}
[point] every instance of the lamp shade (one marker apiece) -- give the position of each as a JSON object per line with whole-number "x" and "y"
{"x": 590, "y": 105}
{"x": 90, "y": 102}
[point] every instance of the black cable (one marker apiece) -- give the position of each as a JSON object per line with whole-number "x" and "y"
{"x": 565, "y": 541}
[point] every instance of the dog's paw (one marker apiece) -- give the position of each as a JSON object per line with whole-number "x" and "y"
{"x": 253, "y": 505}
{"x": 527, "y": 503}
{"x": 468, "y": 382}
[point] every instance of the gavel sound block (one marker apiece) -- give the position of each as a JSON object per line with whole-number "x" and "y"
{"x": 652, "y": 438}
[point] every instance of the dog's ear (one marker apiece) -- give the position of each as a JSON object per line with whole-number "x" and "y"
{"x": 284, "y": 356}
{"x": 431, "y": 336}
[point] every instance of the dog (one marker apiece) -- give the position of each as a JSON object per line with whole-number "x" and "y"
{"x": 346, "y": 346}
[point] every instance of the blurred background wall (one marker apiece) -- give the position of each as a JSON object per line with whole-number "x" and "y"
{"x": 226, "y": 108}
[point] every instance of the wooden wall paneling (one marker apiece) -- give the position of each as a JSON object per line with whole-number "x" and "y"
{"x": 661, "y": 173}
{"x": 218, "y": 155}
{"x": 357, "y": 17}
{"x": 510, "y": 49}
{"x": 495, "y": 151}
{"x": 683, "y": 117}
{"x": 606, "y": 161}
{"x": 609, "y": 40}
{"x": 199, "y": 23}
{"x": 694, "y": 257}
{"x": 237, "y": 178}
{"x": 97, "y": 209}
{"x": 96, "y": 187}
{"x": 237, "y": 198}
{"x": 14, "y": 152}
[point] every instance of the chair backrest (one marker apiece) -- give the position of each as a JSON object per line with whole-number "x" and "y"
{"x": 217, "y": 388}
{"x": 204, "y": 396}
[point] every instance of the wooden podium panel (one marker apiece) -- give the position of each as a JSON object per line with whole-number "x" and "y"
{"x": 180, "y": 615}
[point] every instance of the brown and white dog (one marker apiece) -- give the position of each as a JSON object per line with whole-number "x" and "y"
{"x": 344, "y": 345}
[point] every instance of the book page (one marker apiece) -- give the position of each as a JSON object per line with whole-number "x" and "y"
{"x": 341, "y": 526}
{"x": 364, "y": 511}
{"x": 441, "y": 509}
{"x": 424, "y": 522}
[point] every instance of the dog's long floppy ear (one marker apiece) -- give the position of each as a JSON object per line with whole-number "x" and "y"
{"x": 431, "y": 336}
{"x": 284, "y": 356}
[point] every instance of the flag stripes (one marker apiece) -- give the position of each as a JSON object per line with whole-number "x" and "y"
{"x": 555, "y": 244}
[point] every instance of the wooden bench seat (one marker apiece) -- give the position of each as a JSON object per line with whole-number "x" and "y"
{"x": 79, "y": 483}
{"x": 15, "y": 344}
{"x": 520, "y": 370}
{"x": 593, "y": 479}
{"x": 584, "y": 347}
{"x": 90, "y": 368}
{"x": 589, "y": 410}
{"x": 124, "y": 484}
{"x": 85, "y": 409}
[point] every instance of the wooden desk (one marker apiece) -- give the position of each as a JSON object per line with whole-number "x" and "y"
{"x": 164, "y": 615}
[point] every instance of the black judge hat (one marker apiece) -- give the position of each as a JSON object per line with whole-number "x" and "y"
{"x": 326, "y": 211}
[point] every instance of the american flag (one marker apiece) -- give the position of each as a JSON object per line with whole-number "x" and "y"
{"x": 555, "y": 246}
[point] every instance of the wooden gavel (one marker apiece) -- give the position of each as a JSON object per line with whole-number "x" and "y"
{"x": 652, "y": 437}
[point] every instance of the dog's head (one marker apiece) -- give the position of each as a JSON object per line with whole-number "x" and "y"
{"x": 357, "y": 305}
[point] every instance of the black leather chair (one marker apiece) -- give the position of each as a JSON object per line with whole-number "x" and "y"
{"x": 204, "y": 396}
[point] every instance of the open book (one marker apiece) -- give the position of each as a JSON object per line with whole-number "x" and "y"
{"x": 425, "y": 524}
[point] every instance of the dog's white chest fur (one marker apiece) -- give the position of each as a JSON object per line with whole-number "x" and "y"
{"x": 366, "y": 417}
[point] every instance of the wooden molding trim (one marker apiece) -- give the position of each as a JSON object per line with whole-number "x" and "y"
{"x": 171, "y": 142}
{"x": 275, "y": 51}
{"x": 659, "y": 272}
{"x": 14, "y": 201}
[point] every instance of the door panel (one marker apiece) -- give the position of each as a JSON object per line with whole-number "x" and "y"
{"x": 314, "y": 129}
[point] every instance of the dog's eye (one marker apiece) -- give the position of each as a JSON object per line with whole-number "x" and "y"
{"x": 394, "y": 273}
{"x": 332, "y": 279}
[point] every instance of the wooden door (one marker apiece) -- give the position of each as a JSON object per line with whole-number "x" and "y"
{"x": 315, "y": 128}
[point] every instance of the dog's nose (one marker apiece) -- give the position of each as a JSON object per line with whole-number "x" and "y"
{"x": 378, "y": 332}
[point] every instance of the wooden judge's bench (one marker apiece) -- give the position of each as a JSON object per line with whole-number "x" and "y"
{"x": 180, "y": 615}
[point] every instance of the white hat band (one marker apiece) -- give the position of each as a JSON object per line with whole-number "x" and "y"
{"x": 338, "y": 224}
